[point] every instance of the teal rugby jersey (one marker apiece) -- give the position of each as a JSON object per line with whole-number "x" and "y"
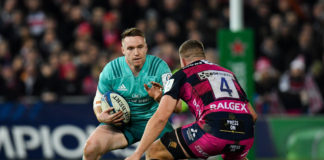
{"x": 118, "y": 77}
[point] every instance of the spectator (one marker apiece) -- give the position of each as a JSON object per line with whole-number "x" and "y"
{"x": 168, "y": 53}
{"x": 13, "y": 32}
{"x": 298, "y": 91}
{"x": 266, "y": 99}
{"x": 84, "y": 32}
{"x": 171, "y": 8}
{"x": 96, "y": 25}
{"x": 306, "y": 45}
{"x": 49, "y": 44}
{"x": 7, "y": 11}
{"x": 68, "y": 75}
{"x": 152, "y": 27}
{"x": 29, "y": 76}
{"x": 35, "y": 18}
{"x": 5, "y": 56}
{"x": 110, "y": 31}
{"x": 48, "y": 83}
{"x": 317, "y": 71}
{"x": 12, "y": 88}
{"x": 83, "y": 65}
{"x": 275, "y": 24}
{"x": 173, "y": 32}
{"x": 72, "y": 18}
{"x": 269, "y": 49}
{"x": 90, "y": 82}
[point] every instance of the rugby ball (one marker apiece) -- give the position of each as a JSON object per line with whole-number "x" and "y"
{"x": 116, "y": 101}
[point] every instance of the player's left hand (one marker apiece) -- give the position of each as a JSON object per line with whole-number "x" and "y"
{"x": 134, "y": 156}
{"x": 155, "y": 91}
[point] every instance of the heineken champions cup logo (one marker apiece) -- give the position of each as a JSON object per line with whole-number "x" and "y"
{"x": 237, "y": 47}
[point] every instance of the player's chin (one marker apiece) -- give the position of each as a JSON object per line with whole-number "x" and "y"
{"x": 138, "y": 64}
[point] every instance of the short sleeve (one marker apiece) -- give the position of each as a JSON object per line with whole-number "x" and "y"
{"x": 164, "y": 72}
{"x": 174, "y": 84}
{"x": 104, "y": 79}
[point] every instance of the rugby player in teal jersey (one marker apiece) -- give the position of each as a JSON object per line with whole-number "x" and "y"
{"x": 134, "y": 76}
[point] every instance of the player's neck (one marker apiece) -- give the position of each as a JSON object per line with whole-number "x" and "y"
{"x": 135, "y": 70}
{"x": 194, "y": 59}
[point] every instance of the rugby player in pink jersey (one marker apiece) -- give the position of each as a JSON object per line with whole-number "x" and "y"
{"x": 224, "y": 117}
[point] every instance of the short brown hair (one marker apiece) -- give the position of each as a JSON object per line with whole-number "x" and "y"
{"x": 191, "y": 48}
{"x": 132, "y": 32}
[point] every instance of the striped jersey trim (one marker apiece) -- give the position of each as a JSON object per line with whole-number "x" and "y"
{"x": 154, "y": 65}
{"x": 115, "y": 65}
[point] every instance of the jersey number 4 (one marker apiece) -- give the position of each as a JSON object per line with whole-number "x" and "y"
{"x": 222, "y": 86}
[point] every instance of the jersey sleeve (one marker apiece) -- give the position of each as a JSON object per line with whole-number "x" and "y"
{"x": 164, "y": 72}
{"x": 174, "y": 84}
{"x": 104, "y": 84}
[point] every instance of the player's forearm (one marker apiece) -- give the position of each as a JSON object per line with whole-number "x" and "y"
{"x": 97, "y": 104}
{"x": 97, "y": 111}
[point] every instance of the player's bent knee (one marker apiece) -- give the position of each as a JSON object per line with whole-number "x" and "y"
{"x": 153, "y": 150}
{"x": 158, "y": 151}
{"x": 91, "y": 149}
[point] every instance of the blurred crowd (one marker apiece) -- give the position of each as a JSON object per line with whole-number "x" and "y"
{"x": 54, "y": 48}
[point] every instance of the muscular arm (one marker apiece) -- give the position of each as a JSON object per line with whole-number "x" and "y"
{"x": 156, "y": 124}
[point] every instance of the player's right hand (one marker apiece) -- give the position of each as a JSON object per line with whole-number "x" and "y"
{"x": 155, "y": 91}
{"x": 115, "y": 118}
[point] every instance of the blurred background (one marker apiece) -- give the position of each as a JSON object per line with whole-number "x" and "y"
{"x": 52, "y": 52}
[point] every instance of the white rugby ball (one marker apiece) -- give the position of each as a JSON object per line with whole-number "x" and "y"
{"x": 112, "y": 99}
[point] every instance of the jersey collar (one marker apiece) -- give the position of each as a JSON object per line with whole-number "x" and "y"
{"x": 129, "y": 71}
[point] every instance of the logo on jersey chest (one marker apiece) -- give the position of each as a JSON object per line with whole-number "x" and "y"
{"x": 138, "y": 98}
{"x": 122, "y": 87}
{"x": 135, "y": 95}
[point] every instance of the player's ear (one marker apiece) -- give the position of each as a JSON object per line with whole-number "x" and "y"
{"x": 122, "y": 48}
{"x": 182, "y": 62}
{"x": 146, "y": 48}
